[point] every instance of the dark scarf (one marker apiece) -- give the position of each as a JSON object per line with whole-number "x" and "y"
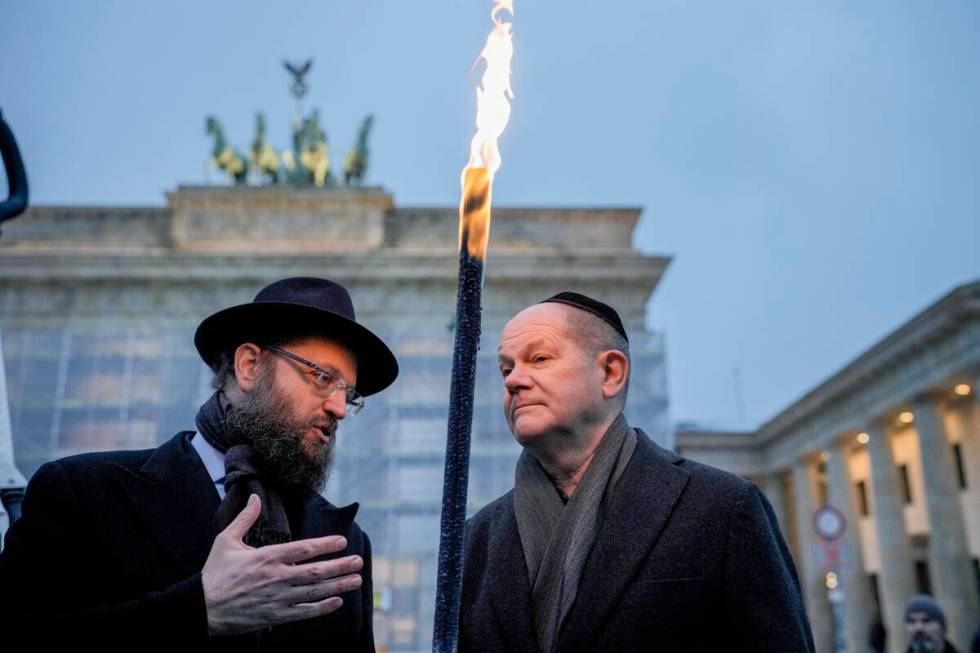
{"x": 243, "y": 476}
{"x": 557, "y": 536}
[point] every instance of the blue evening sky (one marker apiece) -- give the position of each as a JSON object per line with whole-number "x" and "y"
{"x": 812, "y": 167}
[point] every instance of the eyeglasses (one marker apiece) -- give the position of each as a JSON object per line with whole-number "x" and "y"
{"x": 327, "y": 381}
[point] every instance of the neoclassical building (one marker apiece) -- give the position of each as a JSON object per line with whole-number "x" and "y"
{"x": 892, "y": 441}
{"x": 98, "y": 307}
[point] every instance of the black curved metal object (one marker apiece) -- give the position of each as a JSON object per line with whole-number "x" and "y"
{"x": 11, "y": 494}
{"x": 16, "y": 202}
{"x": 12, "y": 498}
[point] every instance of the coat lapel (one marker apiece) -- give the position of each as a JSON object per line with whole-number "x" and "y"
{"x": 641, "y": 507}
{"x": 508, "y": 587}
{"x": 174, "y": 496}
{"x": 320, "y": 518}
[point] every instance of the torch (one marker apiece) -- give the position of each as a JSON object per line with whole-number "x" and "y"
{"x": 493, "y": 111}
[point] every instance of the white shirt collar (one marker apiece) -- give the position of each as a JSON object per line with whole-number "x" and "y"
{"x": 214, "y": 462}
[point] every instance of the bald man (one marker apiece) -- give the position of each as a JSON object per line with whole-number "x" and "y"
{"x": 607, "y": 541}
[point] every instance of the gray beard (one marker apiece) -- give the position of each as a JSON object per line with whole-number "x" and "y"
{"x": 264, "y": 420}
{"x": 923, "y": 645}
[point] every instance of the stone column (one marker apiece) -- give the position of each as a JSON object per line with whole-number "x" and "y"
{"x": 775, "y": 489}
{"x": 970, "y": 443}
{"x": 858, "y": 602}
{"x": 950, "y": 566}
{"x": 812, "y": 575}
{"x": 896, "y": 578}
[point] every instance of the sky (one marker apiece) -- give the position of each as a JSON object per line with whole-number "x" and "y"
{"x": 812, "y": 168}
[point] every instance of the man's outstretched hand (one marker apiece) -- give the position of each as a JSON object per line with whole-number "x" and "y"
{"x": 247, "y": 589}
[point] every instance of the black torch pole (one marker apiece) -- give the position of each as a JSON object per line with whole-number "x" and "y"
{"x": 474, "y": 217}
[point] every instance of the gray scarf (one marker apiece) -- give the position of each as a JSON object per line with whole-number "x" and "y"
{"x": 243, "y": 476}
{"x": 557, "y": 537}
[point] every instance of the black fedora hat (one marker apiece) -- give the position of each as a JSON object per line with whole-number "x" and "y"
{"x": 300, "y": 306}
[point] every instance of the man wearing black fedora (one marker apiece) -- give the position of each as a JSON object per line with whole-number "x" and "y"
{"x": 220, "y": 532}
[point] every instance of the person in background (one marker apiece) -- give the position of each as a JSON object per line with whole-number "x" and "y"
{"x": 925, "y": 626}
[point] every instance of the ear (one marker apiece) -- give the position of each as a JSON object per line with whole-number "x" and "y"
{"x": 248, "y": 365}
{"x": 615, "y": 371}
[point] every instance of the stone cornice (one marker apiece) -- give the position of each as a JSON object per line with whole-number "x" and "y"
{"x": 735, "y": 451}
{"x": 220, "y": 219}
{"x": 278, "y": 198}
{"x": 521, "y": 228}
{"x": 159, "y": 264}
{"x": 697, "y": 439}
{"x": 940, "y": 344}
{"x": 901, "y": 348}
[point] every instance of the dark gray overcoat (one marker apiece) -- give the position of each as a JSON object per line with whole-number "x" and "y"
{"x": 688, "y": 558}
{"x": 110, "y": 546}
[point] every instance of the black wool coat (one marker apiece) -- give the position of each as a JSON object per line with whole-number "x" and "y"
{"x": 109, "y": 550}
{"x": 687, "y": 558}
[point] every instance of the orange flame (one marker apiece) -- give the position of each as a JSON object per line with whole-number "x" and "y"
{"x": 492, "y": 113}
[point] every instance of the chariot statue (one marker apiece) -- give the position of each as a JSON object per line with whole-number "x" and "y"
{"x": 305, "y": 163}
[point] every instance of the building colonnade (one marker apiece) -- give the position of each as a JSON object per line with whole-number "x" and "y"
{"x": 912, "y": 518}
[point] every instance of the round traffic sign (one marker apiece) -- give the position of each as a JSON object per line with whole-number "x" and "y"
{"x": 829, "y": 522}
